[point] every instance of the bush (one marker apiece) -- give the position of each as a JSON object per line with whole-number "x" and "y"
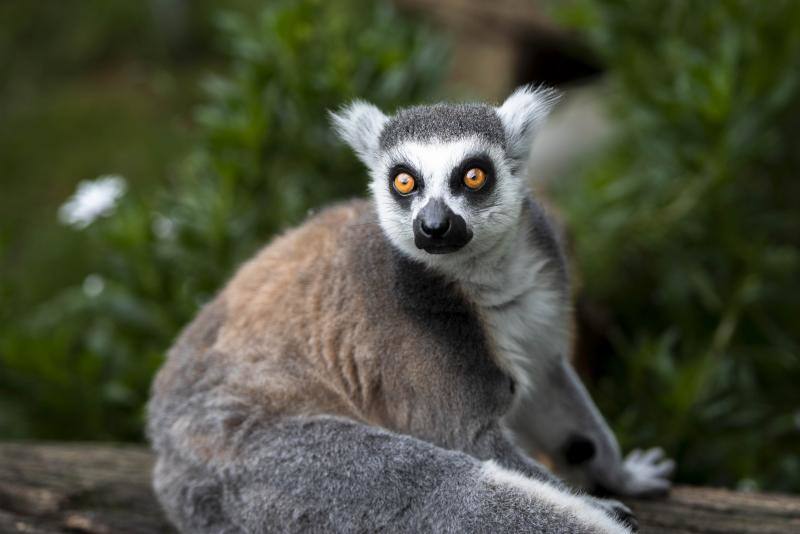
{"x": 687, "y": 232}
{"x": 79, "y": 366}
{"x": 686, "y": 229}
{"x": 88, "y": 87}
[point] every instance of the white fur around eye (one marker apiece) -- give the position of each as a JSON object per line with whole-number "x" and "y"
{"x": 435, "y": 161}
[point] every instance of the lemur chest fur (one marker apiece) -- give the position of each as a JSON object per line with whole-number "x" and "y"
{"x": 524, "y": 304}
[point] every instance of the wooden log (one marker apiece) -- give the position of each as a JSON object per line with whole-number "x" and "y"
{"x": 103, "y": 489}
{"x": 88, "y": 488}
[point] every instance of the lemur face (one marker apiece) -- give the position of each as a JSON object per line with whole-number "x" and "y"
{"x": 447, "y": 178}
{"x": 442, "y": 182}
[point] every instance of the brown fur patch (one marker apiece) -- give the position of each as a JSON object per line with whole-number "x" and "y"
{"x": 327, "y": 319}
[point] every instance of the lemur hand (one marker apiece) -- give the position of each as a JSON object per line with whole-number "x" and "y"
{"x": 645, "y": 474}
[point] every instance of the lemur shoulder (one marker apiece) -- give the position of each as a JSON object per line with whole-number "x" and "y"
{"x": 366, "y": 370}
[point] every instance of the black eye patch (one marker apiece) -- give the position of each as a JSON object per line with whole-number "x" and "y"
{"x": 480, "y": 161}
{"x": 404, "y": 200}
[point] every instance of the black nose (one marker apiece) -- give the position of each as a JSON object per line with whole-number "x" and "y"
{"x": 434, "y": 227}
{"x": 438, "y": 230}
{"x": 434, "y": 219}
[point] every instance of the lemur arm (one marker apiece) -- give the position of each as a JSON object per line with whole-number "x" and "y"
{"x": 494, "y": 443}
{"x": 559, "y": 418}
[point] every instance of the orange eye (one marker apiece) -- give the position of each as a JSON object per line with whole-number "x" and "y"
{"x": 404, "y": 183}
{"x": 475, "y": 178}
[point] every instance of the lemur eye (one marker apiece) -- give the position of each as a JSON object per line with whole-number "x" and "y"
{"x": 475, "y": 178}
{"x": 404, "y": 183}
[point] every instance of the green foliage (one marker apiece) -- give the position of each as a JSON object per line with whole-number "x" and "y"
{"x": 687, "y": 232}
{"x": 88, "y": 87}
{"x": 79, "y": 366}
{"x": 686, "y": 224}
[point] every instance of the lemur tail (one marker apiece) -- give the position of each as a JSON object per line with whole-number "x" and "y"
{"x": 328, "y": 474}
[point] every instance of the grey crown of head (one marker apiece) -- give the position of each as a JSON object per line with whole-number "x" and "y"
{"x": 445, "y": 122}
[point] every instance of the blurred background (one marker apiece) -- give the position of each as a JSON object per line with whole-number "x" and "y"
{"x": 147, "y": 148}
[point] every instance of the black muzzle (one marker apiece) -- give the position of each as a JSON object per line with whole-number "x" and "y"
{"x": 439, "y": 230}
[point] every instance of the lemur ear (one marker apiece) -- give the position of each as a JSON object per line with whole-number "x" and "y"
{"x": 360, "y": 125}
{"x": 522, "y": 114}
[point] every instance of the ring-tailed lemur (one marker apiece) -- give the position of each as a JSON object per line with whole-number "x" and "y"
{"x": 357, "y": 375}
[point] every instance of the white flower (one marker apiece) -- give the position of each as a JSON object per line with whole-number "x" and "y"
{"x": 93, "y": 199}
{"x": 93, "y": 285}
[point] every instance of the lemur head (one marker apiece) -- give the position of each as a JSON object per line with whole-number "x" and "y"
{"x": 448, "y": 179}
